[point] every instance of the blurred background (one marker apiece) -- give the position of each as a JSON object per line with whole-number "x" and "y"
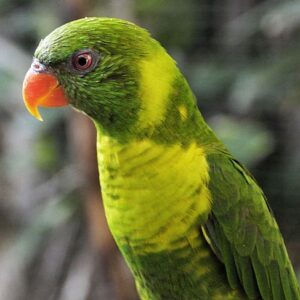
{"x": 242, "y": 59}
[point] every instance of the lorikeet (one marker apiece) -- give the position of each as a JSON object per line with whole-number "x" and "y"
{"x": 190, "y": 220}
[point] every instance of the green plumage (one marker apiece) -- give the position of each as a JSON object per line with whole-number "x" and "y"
{"x": 189, "y": 219}
{"x": 245, "y": 233}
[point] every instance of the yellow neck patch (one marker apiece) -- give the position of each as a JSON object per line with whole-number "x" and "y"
{"x": 183, "y": 113}
{"x": 157, "y": 75}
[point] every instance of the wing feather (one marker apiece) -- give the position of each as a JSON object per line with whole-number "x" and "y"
{"x": 244, "y": 234}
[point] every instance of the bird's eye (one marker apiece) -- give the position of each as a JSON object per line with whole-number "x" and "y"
{"x": 84, "y": 61}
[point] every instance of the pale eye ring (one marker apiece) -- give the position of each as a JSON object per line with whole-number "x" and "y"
{"x": 84, "y": 61}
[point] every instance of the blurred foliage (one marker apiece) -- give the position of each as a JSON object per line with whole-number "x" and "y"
{"x": 242, "y": 59}
{"x": 249, "y": 142}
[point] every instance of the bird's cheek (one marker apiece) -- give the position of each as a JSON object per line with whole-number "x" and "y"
{"x": 42, "y": 89}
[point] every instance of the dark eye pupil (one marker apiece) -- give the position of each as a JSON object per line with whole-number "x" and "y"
{"x": 82, "y": 61}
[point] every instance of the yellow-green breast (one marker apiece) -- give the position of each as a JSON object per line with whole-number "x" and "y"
{"x": 156, "y": 198}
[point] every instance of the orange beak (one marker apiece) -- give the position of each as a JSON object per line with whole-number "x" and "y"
{"x": 42, "y": 89}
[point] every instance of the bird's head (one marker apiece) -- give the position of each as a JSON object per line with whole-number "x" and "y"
{"x": 110, "y": 69}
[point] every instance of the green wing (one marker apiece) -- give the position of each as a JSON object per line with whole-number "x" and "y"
{"x": 243, "y": 233}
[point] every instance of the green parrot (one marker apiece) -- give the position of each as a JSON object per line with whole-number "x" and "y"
{"x": 189, "y": 219}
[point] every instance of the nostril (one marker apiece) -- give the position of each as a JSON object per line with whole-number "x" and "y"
{"x": 37, "y": 66}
